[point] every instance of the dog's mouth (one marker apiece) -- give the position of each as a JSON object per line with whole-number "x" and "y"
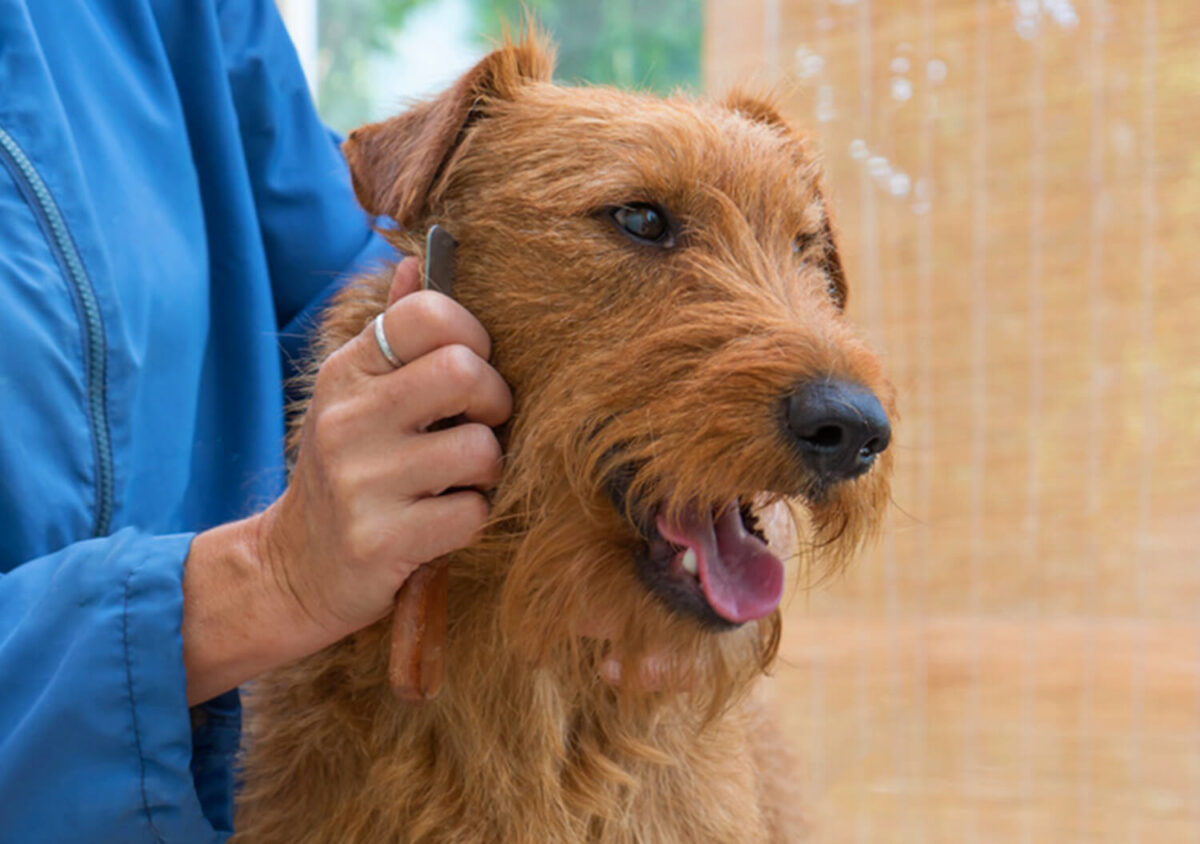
{"x": 713, "y": 565}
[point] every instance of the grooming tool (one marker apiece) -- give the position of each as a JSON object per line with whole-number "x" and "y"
{"x": 416, "y": 667}
{"x": 439, "y": 260}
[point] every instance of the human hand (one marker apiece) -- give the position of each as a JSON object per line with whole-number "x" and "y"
{"x": 366, "y": 504}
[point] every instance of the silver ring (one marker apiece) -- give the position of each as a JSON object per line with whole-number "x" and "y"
{"x": 381, "y": 340}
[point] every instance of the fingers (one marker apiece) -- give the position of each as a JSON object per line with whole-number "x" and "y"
{"x": 427, "y": 320}
{"x": 415, "y": 325}
{"x": 449, "y": 381}
{"x": 400, "y": 500}
{"x": 405, "y": 280}
{"x": 466, "y": 455}
{"x": 443, "y": 524}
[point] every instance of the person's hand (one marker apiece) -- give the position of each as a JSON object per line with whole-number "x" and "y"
{"x": 367, "y": 501}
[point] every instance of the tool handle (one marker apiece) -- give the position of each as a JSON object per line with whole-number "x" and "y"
{"x": 417, "y": 664}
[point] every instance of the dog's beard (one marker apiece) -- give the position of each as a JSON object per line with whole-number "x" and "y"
{"x": 571, "y": 571}
{"x": 834, "y": 526}
{"x": 569, "y": 607}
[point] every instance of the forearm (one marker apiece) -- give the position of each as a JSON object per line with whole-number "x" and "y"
{"x": 238, "y": 620}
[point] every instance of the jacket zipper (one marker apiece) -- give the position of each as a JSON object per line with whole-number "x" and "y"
{"x": 62, "y": 245}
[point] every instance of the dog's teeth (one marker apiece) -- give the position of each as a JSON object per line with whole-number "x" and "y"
{"x": 689, "y": 562}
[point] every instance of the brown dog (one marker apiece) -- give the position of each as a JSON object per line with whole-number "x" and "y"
{"x": 664, "y": 296}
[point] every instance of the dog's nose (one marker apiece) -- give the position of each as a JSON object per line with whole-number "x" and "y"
{"x": 839, "y": 427}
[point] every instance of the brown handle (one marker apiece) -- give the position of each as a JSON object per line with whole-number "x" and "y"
{"x": 417, "y": 665}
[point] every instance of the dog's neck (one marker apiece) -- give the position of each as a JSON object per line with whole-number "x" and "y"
{"x": 516, "y": 734}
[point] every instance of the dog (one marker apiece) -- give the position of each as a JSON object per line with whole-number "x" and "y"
{"x": 665, "y": 298}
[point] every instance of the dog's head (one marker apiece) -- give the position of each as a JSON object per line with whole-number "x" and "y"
{"x": 664, "y": 295}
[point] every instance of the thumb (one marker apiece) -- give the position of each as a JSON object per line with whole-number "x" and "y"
{"x": 406, "y": 279}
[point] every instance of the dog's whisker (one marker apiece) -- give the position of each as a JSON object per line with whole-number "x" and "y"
{"x": 906, "y": 513}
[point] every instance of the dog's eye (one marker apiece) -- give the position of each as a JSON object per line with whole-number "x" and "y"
{"x": 644, "y": 222}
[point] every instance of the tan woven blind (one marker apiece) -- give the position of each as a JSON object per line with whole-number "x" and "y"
{"x": 1018, "y": 191}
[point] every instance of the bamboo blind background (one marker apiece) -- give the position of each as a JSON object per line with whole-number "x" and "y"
{"x": 1017, "y": 187}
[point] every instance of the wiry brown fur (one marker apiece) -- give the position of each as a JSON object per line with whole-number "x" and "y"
{"x": 619, "y": 355}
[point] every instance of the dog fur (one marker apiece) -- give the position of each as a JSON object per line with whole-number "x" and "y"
{"x": 661, "y": 367}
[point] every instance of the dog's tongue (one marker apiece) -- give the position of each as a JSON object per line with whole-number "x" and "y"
{"x": 742, "y": 580}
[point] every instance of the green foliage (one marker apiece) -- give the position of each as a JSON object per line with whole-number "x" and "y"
{"x": 628, "y": 43}
{"x": 349, "y": 31}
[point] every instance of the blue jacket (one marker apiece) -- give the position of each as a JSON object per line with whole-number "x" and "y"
{"x": 169, "y": 206}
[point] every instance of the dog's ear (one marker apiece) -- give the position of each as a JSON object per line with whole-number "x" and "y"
{"x": 395, "y": 164}
{"x": 761, "y": 108}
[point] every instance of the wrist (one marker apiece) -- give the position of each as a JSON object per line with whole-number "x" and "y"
{"x": 239, "y": 616}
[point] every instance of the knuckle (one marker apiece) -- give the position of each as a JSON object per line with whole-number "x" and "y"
{"x": 328, "y": 374}
{"x": 460, "y": 367}
{"x": 329, "y": 428}
{"x": 433, "y": 311}
{"x": 480, "y": 444}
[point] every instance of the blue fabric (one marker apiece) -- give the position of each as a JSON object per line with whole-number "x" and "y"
{"x": 169, "y": 204}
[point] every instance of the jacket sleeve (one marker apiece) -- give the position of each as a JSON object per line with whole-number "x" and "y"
{"x": 314, "y": 232}
{"x": 96, "y": 739}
